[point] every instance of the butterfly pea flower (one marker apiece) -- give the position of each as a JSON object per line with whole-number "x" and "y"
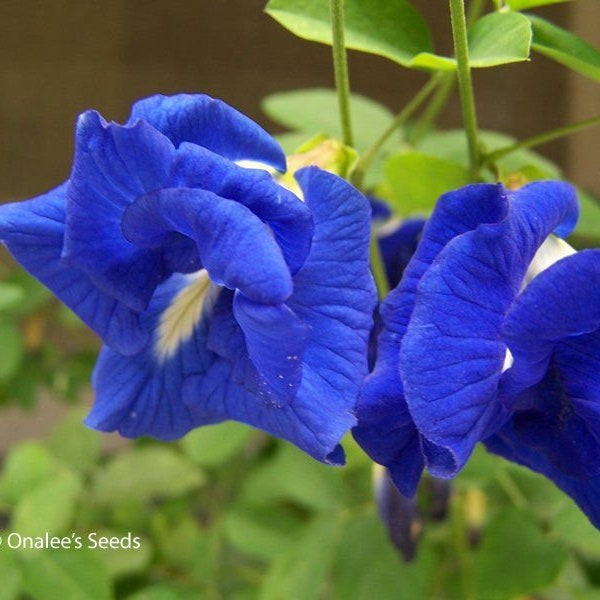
{"x": 450, "y": 372}
{"x": 218, "y": 293}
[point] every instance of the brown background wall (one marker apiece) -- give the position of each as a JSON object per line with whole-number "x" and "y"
{"x": 59, "y": 57}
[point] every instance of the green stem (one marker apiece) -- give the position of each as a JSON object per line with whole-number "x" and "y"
{"x": 511, "y": 489}
{"x": 340, "y": 66}
{"x": 433, "y": 110}
{"x": 465, "y": 84}
{"x": 377, "y": 268}
{"x": 401, "y": 118}
{"x": 542, "y": 138}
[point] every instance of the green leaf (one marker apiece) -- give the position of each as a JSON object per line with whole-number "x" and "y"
{"x": 74, "y": 444}
{"x": 27, "y": 466}
{"x": 515, "y": 557}
{"x": 498, "y": 39}
{"x": 11, "y": 350}
{"x": 49, "y": 508}
{"x": 156, "y": 592}
{"x": 565, "y": 47}
{"x": 525, "y": 4}
{"x": 315, "y": 111}
{"x": 367, "y": 566}
{"x": 573, "y": 527}
{"x": 452, "y": 145}
{"x": 261, "y": 533}
{"x": 10, "y": 295}
{"x": 121, "y": 561}
{"x": 66, "y": 574}
{"x": 216, "y": 444}
{"x": 147, "y": 473}
{"x": 389, "y": 28}
{"x": 589, "y": 218}
{"x": 414, "y": 180}
{"x": 11, "y": 576}
{"x": 300, "y": 571}
{"x": 291, "y": 475}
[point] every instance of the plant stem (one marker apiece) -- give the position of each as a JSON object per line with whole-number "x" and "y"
{"x": 542, "y": 138}
{"x": 401, "y": 118}
{"x": 340, "y": 66}
{"x": 377, "y": 268}
{"x": 475, "y": 10}
{"x": 465, "y": 84}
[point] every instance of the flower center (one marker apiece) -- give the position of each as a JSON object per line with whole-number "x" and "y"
{"x": 178, "y": 321}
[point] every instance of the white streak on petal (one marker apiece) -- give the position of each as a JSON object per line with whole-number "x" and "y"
{"x": 254, "y": 164}
{"x": 508, "y": 360}
{"x": 178, "y": 321}
{"x": 551, "y": 251}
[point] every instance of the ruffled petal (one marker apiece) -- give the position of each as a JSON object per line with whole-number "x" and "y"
{"x": 386, "y": 429}
{"x": 210, "y": 123}
{"x": 585, "y": 491}
{"x": 33, "y": 232}
{"x": 452, "y": 355}
{"x": 113, "y": 166}
{"x": 275, "y": 339}
{"x": 551, "y": 308}
{"x": 334, "y": 295}
{"x": 289, "y": 218}
{"x": 236, "y": 247}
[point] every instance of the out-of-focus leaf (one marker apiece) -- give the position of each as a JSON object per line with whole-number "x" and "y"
{"x": 10, "y": 295}
{"x": 64, "y": 574}
{"x": 263, "y": 534}
{"x": 50, "y": 507}
{"x": 572, "y": 526}
{"x": 11, "y": 350}
{"x": 291, "y": 476}
{"x": 157, "y": 592}
{"x": 300, "y": 571}
{"x": 27, "y": 466}
{"x": 216, "y": 444}
{"x": 74, "y": 444}
{"x": 389, "y": 28}
{"x": 121, "y": 561}
{"x": 367, "y": 566}
{"x": 11, "y": 576}
{"x": 589, "y": 218}
{"x": 498, "y": 39}
{"x": 452, "y": 145}
{"x": 565, "y": 47}
{"x": 414, "y": 181}
{"x": 147, "y": 473}
{"x": 526, "y": 4}
{"x": 515, "y": 557}
{"x": 315, "y": 111}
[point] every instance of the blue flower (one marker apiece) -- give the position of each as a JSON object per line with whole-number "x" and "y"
{"x": 218, "y": 293}
{"x": 491, "y": 335}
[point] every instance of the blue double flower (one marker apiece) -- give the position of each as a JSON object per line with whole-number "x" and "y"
{"x": 492, "y": 335}
{"x": 218, "y": 293}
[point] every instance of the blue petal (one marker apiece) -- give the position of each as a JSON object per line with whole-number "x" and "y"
{"x": 210, "y": 377}
{"x": 142, "y": 394}
{"x": 333, "y": 294}
{"x": 584, "y": 490}
{"x": 210, "y": 123}
{"x": 288, "y": 216}
{"x": 113, "y": 166}
{"x": 275, "y": 339}
{"x": 561, "y": 302}
{"x": 236, "y": 248}
{"x": 33, "y": 232}
{"x": 452, "y": 355}
{"x": 386, "y": 429}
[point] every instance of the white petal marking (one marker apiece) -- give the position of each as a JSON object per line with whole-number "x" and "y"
{"x": 178, "y": 321}
{"x": 551, "y": 251}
